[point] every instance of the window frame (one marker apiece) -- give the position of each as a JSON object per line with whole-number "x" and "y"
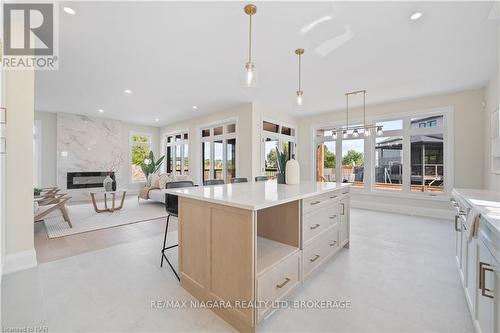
{"x": 282, "y": 138}
{"x": 132, "y": 144}
{"x": 224, "y": 137}
{"x": 446, "y": 129}
{"x": 182, "y": 142}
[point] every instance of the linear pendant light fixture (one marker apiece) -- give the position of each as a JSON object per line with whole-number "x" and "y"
{"x": 299, "y": 98}
{"x": 354, "y": 131}
{"x": 250, "y": 79}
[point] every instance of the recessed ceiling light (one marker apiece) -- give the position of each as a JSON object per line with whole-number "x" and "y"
{"x": 195, "y": 107}
{"x": 157, "y": 120}
{"x": 69, "y": 10}
{"x": 415, "y": 16}
{"x": 127, "y": 91}
{"x": 100, "y": 110}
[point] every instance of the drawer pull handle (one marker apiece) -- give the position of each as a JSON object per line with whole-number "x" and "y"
{"x": 333, "y": 244}
{"x": 456, "y": 221}
{"x": 333, "y": 197}
{"x": 343, "y": 209}
{"x": 333, "y": 217}
{"x": 316, "y": 257}
{"x": 482, "y": 278}
{"x": 315, "y": 203}
{"x": 345, "y": 193}
{"x": 316, "y": 226}
{"x": 281, "y": 285}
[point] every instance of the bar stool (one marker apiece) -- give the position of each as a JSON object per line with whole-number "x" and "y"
{"x": 239, "y": 180}
{"x": 213, "y": 182}
{"x": 172, "y": 208}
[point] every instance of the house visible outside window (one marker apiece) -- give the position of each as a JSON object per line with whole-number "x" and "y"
{"x": 408, "y": 157}
{"x": 140, "y": 145}
{"x": 177, "y": 153}
{"x": 219, "y": 151}
{"x": 274, "y": 136}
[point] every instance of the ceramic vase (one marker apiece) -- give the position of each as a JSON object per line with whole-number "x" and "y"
{"x": 292, "y": 172}
{"x": 108, "y": 184}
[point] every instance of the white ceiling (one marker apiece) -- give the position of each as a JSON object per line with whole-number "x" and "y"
{"x": 174, "y": 55}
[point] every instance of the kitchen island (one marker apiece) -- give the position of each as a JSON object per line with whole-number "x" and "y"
{"x": 246, "y": 246}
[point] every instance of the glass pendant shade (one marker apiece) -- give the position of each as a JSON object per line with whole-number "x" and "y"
{"x": 299, "y": 101}
{"x": 345, "y": 135}
{"x": 334, "y": 135}
{"x": 379, "y": 131}
{"x": 355, "y": 133}
{"x": 368, "y": 131}
{"x": 250, "y": 78}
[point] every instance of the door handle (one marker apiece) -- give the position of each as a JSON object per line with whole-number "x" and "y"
{"x": 482, "y": 278}
{"x": 281, "y": 285}
{"x": 343, "y": 208}
{"x": 316, "y": 226}
{"x": 316, "y": 257}
{"x": 456, "y": 223}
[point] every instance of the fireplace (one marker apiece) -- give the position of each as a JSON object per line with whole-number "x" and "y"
{"x": 86, "y": 179}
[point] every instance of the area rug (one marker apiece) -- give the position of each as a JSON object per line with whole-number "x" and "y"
{"x": 84, "y": 218}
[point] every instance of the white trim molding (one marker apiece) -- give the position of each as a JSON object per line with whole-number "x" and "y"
{"x": 437, "y": 213}
{"x": 19, "y": 261}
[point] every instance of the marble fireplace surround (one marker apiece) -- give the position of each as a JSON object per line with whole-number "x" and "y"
{"x": 87, "y": 144}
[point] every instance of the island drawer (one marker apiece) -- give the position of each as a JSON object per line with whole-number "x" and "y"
{"x": 316, "y": 222}
{"x": 319, "y": 201}
{"x": 274, "y": 284}
{"x": 321, "y": 249}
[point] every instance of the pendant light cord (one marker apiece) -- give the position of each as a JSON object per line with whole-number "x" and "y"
{"x": 300, "y": 66}
{"x": 250, "y": 41}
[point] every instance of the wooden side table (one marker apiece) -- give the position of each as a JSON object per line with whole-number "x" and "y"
{"x": 113, "y": 200}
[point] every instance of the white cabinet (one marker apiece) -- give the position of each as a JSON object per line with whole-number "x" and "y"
{"x": 344, "y": 220}
{"x": 488, "y": 292}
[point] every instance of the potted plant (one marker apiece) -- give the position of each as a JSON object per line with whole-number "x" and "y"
{"x": 282, "y": 158}
{"x": 150, "y": 165}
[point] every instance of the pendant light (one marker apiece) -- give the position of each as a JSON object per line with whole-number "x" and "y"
{"x": 299, "y": 98}
{"x": 367, "y": 128}
{"x": 250, "y": 75}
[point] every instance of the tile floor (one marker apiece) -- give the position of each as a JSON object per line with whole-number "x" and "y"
{"x": 399, "y": 276}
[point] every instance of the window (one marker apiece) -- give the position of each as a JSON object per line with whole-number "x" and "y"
{"x": 389, "y": 163}
{"x": 219, "y": 152}
{"x": 273, "y": 136}
{"x": 177, "y": 153}
{"x": 353, "y": 162}
{"x": 427, "y": 163}
{"x": 140, "y": 145}
{"x": 410, "y": 155}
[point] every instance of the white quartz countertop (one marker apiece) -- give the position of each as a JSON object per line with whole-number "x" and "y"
{"x": 486, "y": 202}
{"x": 256, "y": 195}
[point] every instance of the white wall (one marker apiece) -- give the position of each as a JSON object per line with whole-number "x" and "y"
{"x": 48, "y": 122}
{"x": 469, "y": 155}
{"x": 19, "y": 100}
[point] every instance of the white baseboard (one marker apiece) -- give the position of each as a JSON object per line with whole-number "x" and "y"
{"x": 404, "y": 209}
{"x": 19, "y": 261}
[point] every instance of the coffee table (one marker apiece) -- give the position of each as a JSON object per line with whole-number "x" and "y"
{"x": 113, "y": 200}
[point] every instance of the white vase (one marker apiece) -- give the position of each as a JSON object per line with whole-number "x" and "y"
{"x": 108, "y": 184}
{"x": 292, "y": 172}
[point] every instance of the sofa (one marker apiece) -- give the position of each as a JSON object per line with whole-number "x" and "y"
{"x": 156, "y": 184}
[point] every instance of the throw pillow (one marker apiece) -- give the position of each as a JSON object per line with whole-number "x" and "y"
{"x": 155, "y": 180}
{"x": 162, "y": 181}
